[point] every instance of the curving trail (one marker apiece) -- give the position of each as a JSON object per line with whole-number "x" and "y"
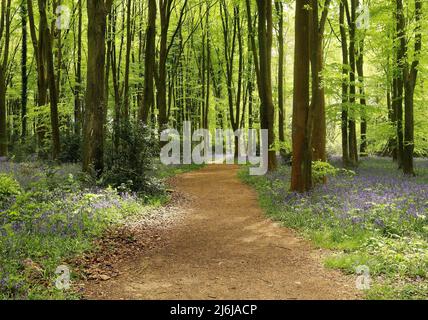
{"x": 224, "y": 248}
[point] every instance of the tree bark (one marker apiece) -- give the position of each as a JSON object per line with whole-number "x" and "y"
{"x": 149, "y": 64}
{"x": 39, "y": 45}
{"x": 5, "y": 22}
{"x": 399, "y": 81}
{"x": 363, "y": 103}
{"x": 93, "y": 148}
{"x": 352, "y": 137}
{"x": 126, "y": 97}
{"x": 345, "y": 86}
{"x": 267, "y": 110}
{"x": 301, "y": 95}
{"x": 279, "y": 6}
{"x": 78, "y": 76}
{"x": 52, "y": 85}
{"x": 318, "y": 94}
{"x": 24, "y": 74}
{"x": 410, "y": 74}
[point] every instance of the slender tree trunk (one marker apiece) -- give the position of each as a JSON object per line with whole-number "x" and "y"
{"x": 115, "y": 60}
{"x": 39, "y": 45}
{"x": 390, "y": 100}
{"x": 281, "y": 112}
{"x": 24, "y": 74}
{"x": 53, "y": 93}
{"x": 250, "y": 92}
{"x": 318, "y": 95}
{"x": 408, "y": 128}
{"x": 238, "y": 116}
{"x": 126, "y": 107}
{"x": 399, "y": 81}
{"x": 410, "y": 77}
{"x": 208, "y": 66}
{"x": 164, "y": 8}
{"x": 78, "y": 84}
{"x": 363, "y": 124}
{"x": 3, "y": 119}
{"x": 267, "y": 110}
{"x": 352, "y": 137}
{"x": 149, "y": 63}
{"x": 345, "y": 86}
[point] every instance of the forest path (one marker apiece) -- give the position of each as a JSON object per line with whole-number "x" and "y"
{"x": 224, "y": 248}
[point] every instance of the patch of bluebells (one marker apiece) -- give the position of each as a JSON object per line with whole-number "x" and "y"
{"x": 378, "y": 196}
{"x": 63, "y": 214}
{"x": 57, "y": 213}
{"x": 54, "y": 203}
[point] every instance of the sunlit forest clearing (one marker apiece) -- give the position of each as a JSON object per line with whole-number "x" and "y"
{"x": 89, "y": 209}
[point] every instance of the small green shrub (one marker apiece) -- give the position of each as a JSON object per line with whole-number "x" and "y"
{"x": 129, "y": 165}
{"x": 321, "y": 169}
{"x": 71, "y": 148}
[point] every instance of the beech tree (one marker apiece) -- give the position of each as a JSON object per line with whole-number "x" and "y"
{"x": 409, "y": 76}
{"x": 301, "y": 179}
{"x": 5, "y": 21}
{"x": 317, "y": 23}
{"x": 93, "y": 147}
{"x": 218, "y": 64}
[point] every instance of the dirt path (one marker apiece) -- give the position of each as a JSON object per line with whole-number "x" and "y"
{"x": 224, "y": 248}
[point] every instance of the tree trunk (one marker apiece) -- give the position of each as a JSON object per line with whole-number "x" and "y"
{"x": 78, "y": 84}
{"x": 318, "y": 95}
{"x": 24, "y": 74}
{"x": 5, "y": 25}
{"x": 207, "y": 75}
{"x": 410, "y": 77}
{"x": 408, "y": 129}
{"x": 352, "y": 137}
{"x": 399, "y": 81}
{"x": 53, "y": 93}
{"x": 345, "y": 86}
{"x": 363, "y": 124}
{"x": 93, "y": 148}
{"x": 164, "y": 8}
{"x": 281, "y": 112}
{"x": 149, "y": 64}
{"x": 267, "y": 110}
{"x": 42, "y": 85}
{"x": 127, "y": 62}
{"x": 301, "y": 95}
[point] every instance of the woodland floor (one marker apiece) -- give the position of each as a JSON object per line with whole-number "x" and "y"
{"x": 217, "y": 244}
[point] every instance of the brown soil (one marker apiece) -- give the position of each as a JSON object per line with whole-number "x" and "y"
{"x": 220, "y": 246}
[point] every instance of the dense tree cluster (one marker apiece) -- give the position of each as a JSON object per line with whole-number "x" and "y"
{"x": 357, "y": 86}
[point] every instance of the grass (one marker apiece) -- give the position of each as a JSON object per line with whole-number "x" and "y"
{"x": 372, "y": 217}
{"x": 165, "y": 172}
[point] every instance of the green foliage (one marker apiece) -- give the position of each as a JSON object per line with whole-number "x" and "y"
{"x": 321, "y": 170}
{"x": 9, "y": 187}
{"x": 130, "y": 165}
{"x": 164, "y": 172}
{"x": 71, "y": 148}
